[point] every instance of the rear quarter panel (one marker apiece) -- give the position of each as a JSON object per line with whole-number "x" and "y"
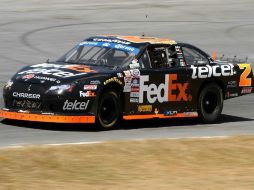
{"x": 241, "y": 83}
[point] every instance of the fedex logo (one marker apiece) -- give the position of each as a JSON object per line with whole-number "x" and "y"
{"x": 169, "y": 91}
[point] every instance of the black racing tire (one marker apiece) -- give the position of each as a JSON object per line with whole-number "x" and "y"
{"x": 109, "y": 110}
{"x": 210, "y": 103}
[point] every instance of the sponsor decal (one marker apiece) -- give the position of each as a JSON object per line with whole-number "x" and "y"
{"x": 156, "y": 111}
{"x": 133, "y": 100}
{"x": 29, "y": 87}
{"x": 165, "y": 92}
{"x": 23, "y": 111}
{"x": 134, "y": 94}
{"x": 232, "y": 84}
{"x": 114, "y": 79}
{"x": 61, "y": 88}
{"x": 182, "y": 63}
{"x": 212, "y": 71}
{"x": 127, "y": 73}
{"x": 135, "y": 89}
{"x": 126, "y": 48}
{"x": 231, "y": 95}
{"x": 127, "y": 88}
{"x": 134, "y": 64}
{"x": 135, "y": 82}
{"x": 46, "y": 113}
{"x": 78, "y": 68}
{"x": 106, "y": 44}
{"x": 87, "y": 94}
{"x": 95, "y": 82}
{"x": 47, "y": 79}
{"x": 245, "y": 79}
{"x": 137, "y": 39}
{"x": 180, "y": 55}
{"x": 131, "y": 84}
{"x": 48, "y": 65}
{"x": 90, "y": 87}
{"x": 127, "y": 79}
{"x": 178, "y": 49}
{"x": 26, "y": 95}
{"x": 145, "y": 108}
{"x": 27, "y": 104}
{"x": 89, "y": 43}
{"x": 29, "y": 76}
{"x": 170, "y": 113}
{"x": 53, "y": 72}
{"x": 111, "y": 44}
{"x": 120, "y": 75}
{"x": 190, "y": 114}
{"x": 135, "y": 72}
{"x": 68, "y": 105}
{"x": 246, "y": 90}
{"x": 9, "y": 84}
{"x": 111, "y": 40}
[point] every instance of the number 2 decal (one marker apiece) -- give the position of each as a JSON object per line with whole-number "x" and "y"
{"x": 244, "y": 79}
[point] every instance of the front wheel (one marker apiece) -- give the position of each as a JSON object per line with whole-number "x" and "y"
{"x": 109, "y": 110}
{"x": 210, "y": 103}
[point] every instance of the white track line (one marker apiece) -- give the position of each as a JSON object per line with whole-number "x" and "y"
{"x": 54, "y": 144}
{"x": 100, "y": 142}
{"x": 202, "y": 137}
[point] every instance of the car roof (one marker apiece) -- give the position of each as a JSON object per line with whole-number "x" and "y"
{"x": 139, "y": 39}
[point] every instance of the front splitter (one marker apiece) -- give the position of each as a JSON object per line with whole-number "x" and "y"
{"x": 46, "y": 118}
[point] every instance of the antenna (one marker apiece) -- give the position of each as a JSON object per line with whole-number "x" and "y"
{"x": 234, "y": 58}
{"x": 146, "y": 19}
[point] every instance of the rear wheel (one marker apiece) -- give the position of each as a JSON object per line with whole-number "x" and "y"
{"x": 210, "y": 103}
{"x": 109, "y": 110}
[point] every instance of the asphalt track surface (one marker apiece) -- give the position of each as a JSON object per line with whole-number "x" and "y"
{"x": 32, "y": 31}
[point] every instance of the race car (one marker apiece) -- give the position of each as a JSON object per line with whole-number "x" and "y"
{"x": 110, "y": 78}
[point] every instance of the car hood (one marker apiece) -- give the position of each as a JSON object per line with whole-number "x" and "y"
{"x": 57, "y": 73}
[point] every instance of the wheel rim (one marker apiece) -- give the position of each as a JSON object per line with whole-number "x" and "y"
{"x": 210, "y": 102}
{"x": 108, "y": 111}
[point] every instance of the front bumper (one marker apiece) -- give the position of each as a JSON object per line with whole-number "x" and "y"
{"x": 50, "y": 118}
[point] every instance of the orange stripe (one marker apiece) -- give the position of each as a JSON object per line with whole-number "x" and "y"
{"x": 151, "y": 116}
{"x": 46, "y": 118}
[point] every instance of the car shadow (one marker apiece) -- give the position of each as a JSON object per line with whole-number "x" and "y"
{"x": 126, "y": 125}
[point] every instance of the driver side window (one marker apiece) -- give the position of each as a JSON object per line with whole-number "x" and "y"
{"x": 193, "y": 57}
{"x": 145, "y": 61}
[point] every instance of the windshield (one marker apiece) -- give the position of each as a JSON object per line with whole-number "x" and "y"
{"x": 101, "y": 53}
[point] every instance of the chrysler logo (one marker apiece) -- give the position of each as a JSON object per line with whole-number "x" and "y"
{"x": 29, "y": 87}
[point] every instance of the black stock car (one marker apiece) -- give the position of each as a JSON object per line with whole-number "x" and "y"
{"x": 108, "y": 78}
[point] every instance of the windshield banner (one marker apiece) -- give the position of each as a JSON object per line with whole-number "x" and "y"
{"x": 111, "y": 45}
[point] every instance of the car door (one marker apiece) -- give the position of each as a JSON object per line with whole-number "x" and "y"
{"x": 194, "y": 59}
{"x": 164, "y": 86}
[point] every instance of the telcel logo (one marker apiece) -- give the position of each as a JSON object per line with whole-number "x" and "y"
{"x": 215, "y": 71}
{"x": 75, "y": 105}
{"x": 165, "y": 92}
